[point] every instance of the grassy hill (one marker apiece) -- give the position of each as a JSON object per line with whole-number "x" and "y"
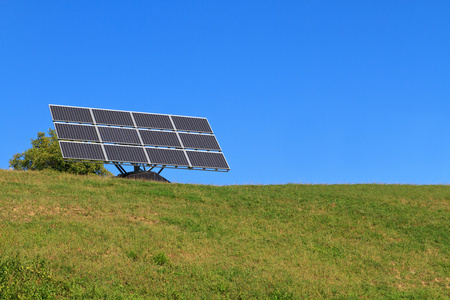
{"x": 65, "y": 236}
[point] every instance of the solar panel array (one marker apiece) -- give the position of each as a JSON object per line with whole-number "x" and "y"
{"x": 125, "y": 137}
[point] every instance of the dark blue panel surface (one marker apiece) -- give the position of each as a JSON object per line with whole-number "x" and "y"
{"x": 160, "y": 138}
{"x": 71, "y": 114}
{"x": 153, "y": 121}
{"x": 214, "y": 160}
{"x": 191, "y": 124}
{"x": 199, "y": 141}
{"x": 125, "y": 154}
{"x": 83, "y": 151}
{"x": 119, "y": 135}
{"x": 113, "y": 117}
{"x": 167, "y": 157}
{"x": 76, "y": 132}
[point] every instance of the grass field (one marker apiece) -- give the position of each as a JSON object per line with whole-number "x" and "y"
{"x": 65, "y": 236}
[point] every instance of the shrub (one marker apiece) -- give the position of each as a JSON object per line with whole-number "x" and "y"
{"x": 45, "y": 153}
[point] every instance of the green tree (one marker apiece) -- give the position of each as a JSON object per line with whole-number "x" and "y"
{"x": 46, "y": 154}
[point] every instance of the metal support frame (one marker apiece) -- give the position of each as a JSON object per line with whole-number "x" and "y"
{"x": 120, "y": 168}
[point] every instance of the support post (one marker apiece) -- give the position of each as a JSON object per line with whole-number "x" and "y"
{"x": 120, "y": 168}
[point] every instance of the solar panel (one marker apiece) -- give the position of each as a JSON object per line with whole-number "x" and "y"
{"x": 202, "y": 159}
{"x": 191, "y": 124}
{"x": 71, "y": 114}
{"x": 199, "y": 141}
{"x": 167, "y": 157}
{"x": 113, "y": 117}
{"x": 119, "y": 135}
{"x": 126, "y": 154}
{"x": 160, "y": 138}
{"x": 82, "y": 151}
{"x": 153, "y": 121}
{"x": 137, "y": 138}
{"x": 76, "y": 132}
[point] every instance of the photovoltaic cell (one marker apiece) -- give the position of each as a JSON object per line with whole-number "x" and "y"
{"x": 71, "y": 114}
{"x": 112, "y": 117}
{"x": 160, "y": 138}
{"x": 76, "y": 132}
{"x": 191, "y": 124}
{"x": 167, "y": 157}
{"x": 144, "y": 120}
{"x": 214, "y": 160}
{"x": 125, "y": 154}
{"x": 85, "y": 151}
{"x": 199, "y": 141}
{"x": 119, "y": 135}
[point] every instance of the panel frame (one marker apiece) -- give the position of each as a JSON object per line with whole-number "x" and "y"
{"x": 137, "y": 129}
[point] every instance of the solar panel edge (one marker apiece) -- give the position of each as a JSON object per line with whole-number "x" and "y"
{"x": 117, "y": 110}
{"x": 51, "y": 112}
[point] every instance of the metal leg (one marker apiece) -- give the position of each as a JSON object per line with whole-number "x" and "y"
{"x": 120, "y": 168}
{"x": 161, "y": 170}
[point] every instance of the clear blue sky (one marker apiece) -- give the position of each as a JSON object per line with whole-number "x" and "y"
{"x": 296, "y": 91}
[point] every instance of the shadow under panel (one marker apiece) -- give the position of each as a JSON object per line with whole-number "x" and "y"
{"x": 160, "y": 138}
{"x": 167, "y": 157}
{"x": 213, "y": 160}
{"x": 71, "y": 114}
{"x": 199, "y": 141}
{"x": 125, "y": 154}
{"x": 84, "y": 151}
{"x": 76, "y": 132}
{"x": 113, "y": 117}
{"x": 119, "y": 135}
{"x": 191, "y": 124}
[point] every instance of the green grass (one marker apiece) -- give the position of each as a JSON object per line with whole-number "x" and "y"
{"x": 79, "y": 237}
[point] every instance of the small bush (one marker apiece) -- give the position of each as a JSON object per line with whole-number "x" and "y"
{"x": 45, "y": 153}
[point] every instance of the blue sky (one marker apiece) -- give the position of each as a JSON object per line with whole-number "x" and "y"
{"x": 296, "y": 91}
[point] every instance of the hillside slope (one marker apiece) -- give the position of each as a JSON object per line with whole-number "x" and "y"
{"x": 67, "y": 236}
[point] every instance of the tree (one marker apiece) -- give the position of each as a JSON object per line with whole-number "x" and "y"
{"x": 46, "y": 154}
